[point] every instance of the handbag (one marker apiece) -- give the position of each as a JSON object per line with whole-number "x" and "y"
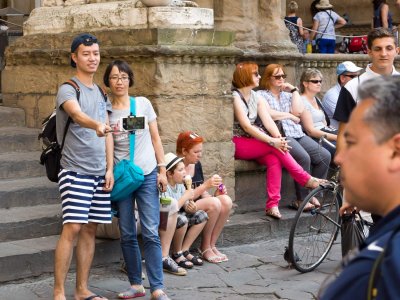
{"x": 128, "y": 177}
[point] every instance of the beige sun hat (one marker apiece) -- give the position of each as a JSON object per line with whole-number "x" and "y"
{"x": 323, "y": 4}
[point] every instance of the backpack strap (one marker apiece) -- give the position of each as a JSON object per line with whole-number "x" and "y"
{"x": 103, "y": 92}
{"x": 72, "y": 83}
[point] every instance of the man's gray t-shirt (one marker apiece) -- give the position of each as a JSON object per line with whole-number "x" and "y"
{"x": 84, "y": 152}
{"x": 144, "y": 154}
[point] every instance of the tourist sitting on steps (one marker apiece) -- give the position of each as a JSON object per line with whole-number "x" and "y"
{"x": 262, "y": 141}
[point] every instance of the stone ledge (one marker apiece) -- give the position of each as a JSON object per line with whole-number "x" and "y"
{"x": 115, "y": 15}
{"x": 248, "y": 166}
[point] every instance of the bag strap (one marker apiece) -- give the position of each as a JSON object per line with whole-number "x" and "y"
{"x": 132, "y": 135}
{"x": 328, "y": 122}
{"x": 72, "y": 83}
{"x": 372, "y": 291}
{"x": 244, "y": 101}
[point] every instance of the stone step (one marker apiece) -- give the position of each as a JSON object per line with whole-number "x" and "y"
{"x": 38, "y": 253}
{"x": 27, "y": 192}
{"x": 34, "y": 257}
{"x": 10, "y": 116}
{"x": 21, "y": 164}
{"x": 19, "y": 139}
{"x": 19, "y": 223}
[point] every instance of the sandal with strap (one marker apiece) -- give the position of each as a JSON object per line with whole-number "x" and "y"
{"x": 194, "y": 260}
{"x": 184, "y": 263}
{"x": 222, "y": 256}
{"x": 214, "y": 259}
{"x": 297, "y": 203}
{"x": 314, "y": 201}
{"x": 273, "y": 212}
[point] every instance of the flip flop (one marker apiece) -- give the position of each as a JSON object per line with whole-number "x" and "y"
{"x": 91, "y": 297}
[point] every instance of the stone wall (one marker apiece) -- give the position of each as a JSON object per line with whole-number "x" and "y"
{"x": 185, "y": 74}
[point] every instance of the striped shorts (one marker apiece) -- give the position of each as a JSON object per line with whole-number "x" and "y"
{"x": 83, "y": 198}
{"x": 184, "y": 218}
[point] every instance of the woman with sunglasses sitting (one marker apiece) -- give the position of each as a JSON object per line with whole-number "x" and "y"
{"x": 286, "y": 106}
{"x": 262, "y": 144}
{"x": 314, "y": 119}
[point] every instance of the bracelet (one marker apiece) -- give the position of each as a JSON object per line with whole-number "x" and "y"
{"x": 295, "y": 89}
{"x": 161, "y": 165}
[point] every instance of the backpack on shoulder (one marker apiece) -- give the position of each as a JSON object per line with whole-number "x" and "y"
{"x": 51, "y": 148}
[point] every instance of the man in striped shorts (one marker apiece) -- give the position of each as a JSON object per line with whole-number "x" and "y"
{"x": 86, "y": 177}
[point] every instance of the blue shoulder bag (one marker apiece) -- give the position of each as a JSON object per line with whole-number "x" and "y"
{"x": 128, "y": 177}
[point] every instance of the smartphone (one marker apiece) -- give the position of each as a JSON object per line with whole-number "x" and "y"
{"x": 133, "y": 123}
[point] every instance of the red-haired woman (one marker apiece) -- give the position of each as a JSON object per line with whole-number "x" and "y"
{"x": 189, "y": 145}
{"x": 266, "y": 146}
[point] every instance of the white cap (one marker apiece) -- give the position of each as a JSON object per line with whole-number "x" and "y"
{"x": 347, "y": 66}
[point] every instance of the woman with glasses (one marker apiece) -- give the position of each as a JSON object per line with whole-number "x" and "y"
{"x": 149, "y": 154}
{"x": 314, "y": 119}
{"x": 286, "y": 106}
{"x": 256, "y": 136}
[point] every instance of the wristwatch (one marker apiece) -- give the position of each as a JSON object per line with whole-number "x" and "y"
{"x": 295, "y": 89}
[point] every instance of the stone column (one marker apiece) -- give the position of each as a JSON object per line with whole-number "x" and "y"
{"x": 259, "y": 25}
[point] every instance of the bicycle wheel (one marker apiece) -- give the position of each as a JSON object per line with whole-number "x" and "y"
{"x": 313, "y": 232}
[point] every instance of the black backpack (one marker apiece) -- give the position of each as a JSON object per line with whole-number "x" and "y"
{"x": 51, "y": 152}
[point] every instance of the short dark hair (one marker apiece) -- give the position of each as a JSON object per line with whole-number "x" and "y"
{"x": 379, "y": 33}
{"x": 122, "y": 66}
{"x": 383, "y": 116}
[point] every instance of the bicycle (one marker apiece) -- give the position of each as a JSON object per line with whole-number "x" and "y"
{"x": 313, "y": 232}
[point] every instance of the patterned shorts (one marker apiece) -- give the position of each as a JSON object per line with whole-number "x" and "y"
{"x": 83, "y": 198}
{"x": 184, "y": 218}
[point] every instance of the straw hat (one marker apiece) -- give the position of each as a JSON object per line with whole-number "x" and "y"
{"x": 323, "y": 4}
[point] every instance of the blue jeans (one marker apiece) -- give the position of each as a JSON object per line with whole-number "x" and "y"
{"x": 148, "y": 202}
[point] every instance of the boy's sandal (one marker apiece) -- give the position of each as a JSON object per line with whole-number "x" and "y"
{"x": 184, "y": 263}
{"x": 214, "y": 259}
{"x": 273, "y": 212}
{"x": 222, "y": 256}
{"x": 194, "y": 260}
{"x": 170, "y": 266}
{"x": 297, "y": 203}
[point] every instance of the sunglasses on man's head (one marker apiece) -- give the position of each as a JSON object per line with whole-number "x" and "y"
{"x": 277, "y": 77}
{"x": 350, "y": 76}
{"x": 89, "y": 41}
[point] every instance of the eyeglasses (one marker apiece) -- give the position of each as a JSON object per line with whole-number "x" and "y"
{"x": 277, "y": 77}
{"x": 193, "y": 135}
{"x": 315, "y": 81}
{"x": 116, "y": 78}
{"x": 256, "y": 74}
{"x": 350, "y": 76}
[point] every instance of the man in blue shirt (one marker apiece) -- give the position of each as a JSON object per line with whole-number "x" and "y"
{"x": 371, "y": 179}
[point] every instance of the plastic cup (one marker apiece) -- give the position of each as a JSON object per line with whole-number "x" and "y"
{"x": 165, "y": 203}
